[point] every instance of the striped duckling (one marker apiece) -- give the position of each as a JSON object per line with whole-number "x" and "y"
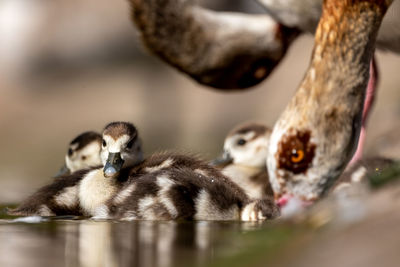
{"x": 82, "y": 191}
{"x": 181, "y": 193}
{"x": 169, "y": 186}
{"x": 244, "y": 157}
{"x": 83, "y": 152}
{"x": 121, "y": 150}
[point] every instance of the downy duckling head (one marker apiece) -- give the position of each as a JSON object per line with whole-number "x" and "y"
{"x": 121, "y": 147}
{"x": 246, "y": 144}
{"x": 83, "y": 152}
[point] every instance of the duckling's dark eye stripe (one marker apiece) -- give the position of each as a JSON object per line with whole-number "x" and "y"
{"x": 295, "y": 151}
{"x": 130, "y": 143}
{"x": 84, "y": 139}
{"x": 257, "y": 129}
{"x": 133, "y": 140}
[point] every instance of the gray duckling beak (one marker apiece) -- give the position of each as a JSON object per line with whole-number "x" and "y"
{"x": 222, "y": 161}
{"x": 113, "y": 165}
{"x": 63, "y": 171}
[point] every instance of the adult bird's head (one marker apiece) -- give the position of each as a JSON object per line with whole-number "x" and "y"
{"x": 317, "y": 134}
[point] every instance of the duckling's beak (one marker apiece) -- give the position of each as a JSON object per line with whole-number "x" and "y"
{"x": 64, "y": 170}
{"x": 222, "y": 161}
{"x": 113, "y": 165}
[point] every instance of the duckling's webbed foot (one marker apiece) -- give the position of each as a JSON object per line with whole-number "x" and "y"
{"x": 259, "y": 210}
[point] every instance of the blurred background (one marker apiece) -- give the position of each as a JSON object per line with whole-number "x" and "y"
{"x": 68, "y": 66}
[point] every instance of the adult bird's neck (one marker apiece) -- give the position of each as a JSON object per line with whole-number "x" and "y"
{"x": 339, "y": 69}
{"x": 345, "y": 43}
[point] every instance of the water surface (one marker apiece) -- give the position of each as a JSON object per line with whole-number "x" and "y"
{"x": 81, "y": 242}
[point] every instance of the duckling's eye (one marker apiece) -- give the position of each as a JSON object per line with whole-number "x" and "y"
{"x": 130, "y": 144}
{"x": 241, "y": 142}
{"x": 83, "y": 157}
{"x": 70, "y": 152}
{"x": 104, "y": 143}
{"x": 297, "y": 155}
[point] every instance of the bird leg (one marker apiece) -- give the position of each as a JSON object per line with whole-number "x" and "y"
{"x": 368, "y": 102}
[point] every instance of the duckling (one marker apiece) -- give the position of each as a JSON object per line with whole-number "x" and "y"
{"x": 245, "y": 153}
{"x": 83, "y": 152}
{"x": 81, "y": 192}
{"x": 121, "y": 150}
{"x": 181, "y": 193}
{"x": 175, "y": 186}
{"x": 317, "y": 134}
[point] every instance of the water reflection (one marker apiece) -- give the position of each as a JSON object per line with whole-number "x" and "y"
{"x": 104, "y": 243}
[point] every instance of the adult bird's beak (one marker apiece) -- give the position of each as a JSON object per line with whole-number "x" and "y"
{"x": 291, "y": 205}
{"x": 222, "y": 161}
{"x": 113, "y": 165}
{"x": 63, "y": 171}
